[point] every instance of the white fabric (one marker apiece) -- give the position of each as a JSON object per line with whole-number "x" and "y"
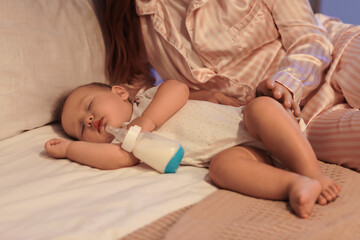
{"x": 43, "y": 198}
{"x": 46, "y": 48}
{"x": 202, "y": 128}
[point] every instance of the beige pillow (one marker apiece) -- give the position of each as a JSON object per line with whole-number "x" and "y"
{"x": 46, "y": 48}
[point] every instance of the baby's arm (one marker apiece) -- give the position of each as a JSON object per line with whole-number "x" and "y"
{"x": 105, "y": 156}
{"x": 169, "y": 98}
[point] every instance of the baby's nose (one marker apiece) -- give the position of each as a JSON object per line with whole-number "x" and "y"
{"x": 89, "y": 121}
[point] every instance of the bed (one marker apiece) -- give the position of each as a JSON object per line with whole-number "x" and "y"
{"x": 49, "y": 47}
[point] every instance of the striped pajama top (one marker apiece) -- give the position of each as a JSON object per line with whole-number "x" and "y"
{"x": 232, "y": 45}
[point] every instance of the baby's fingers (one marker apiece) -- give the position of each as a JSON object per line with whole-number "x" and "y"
{"x": 53, "y": 141}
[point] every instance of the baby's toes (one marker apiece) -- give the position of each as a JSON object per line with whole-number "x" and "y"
{"x": 328, "y": 195}
{"x": 335, "y": 188}
{"x": 332, "y": 194}
{"x": 321, "y": 200}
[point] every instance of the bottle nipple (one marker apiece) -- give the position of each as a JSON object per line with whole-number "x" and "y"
{"x": 118, "y": 133}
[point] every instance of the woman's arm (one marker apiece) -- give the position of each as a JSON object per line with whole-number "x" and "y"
{"x": 308, "y": 48}
{"x": 105, "y": 156}
{"x": 169, "y": 98}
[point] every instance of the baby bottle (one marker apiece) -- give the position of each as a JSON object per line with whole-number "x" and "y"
{"x": 162, "y": 154}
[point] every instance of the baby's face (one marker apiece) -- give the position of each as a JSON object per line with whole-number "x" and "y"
{"x": 89, "y": 109}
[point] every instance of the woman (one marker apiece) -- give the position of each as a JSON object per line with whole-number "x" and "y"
{"x": 230, "y": 51}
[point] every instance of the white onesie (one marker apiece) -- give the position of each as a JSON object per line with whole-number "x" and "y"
{"x": 202, "y": 128}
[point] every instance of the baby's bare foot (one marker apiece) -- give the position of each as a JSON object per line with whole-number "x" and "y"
{"x": 329, "y": 190}
{"x": 303, "y": 194}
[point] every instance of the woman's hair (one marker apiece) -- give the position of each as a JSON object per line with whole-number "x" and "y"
{"x": 126, "y": 61}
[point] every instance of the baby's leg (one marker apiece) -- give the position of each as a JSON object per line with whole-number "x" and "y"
{"x": 247, "y": 170}
{"x": 268, "y": 121}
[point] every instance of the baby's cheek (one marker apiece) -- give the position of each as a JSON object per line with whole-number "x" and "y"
{"x": 109, "y": 138}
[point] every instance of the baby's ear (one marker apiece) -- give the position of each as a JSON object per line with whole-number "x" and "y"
{"x": 120, "y": 91}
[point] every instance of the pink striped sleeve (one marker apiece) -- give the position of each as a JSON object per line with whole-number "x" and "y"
{"x": 308, "y": 49}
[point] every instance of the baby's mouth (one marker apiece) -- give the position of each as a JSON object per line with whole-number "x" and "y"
{"x": 98, "y": 124}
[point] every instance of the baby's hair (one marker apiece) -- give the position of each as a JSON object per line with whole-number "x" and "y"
{"x": 59, "y": 106}
{"x": 97, "y": 84}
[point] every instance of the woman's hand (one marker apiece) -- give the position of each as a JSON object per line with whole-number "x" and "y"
{"x": 277, "y": 91}
{"x": 215, "y": 96}
{"x": 57, "y": 147}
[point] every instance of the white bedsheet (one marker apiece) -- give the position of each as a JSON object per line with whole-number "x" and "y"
{"x": 43, "y": 198}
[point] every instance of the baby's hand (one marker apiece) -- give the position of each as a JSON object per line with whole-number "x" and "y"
{"x": 146, "y": 124}
{"x": 57, "y": 147}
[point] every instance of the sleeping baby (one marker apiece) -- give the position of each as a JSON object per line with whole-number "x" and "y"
{"x": 237, "y": 144}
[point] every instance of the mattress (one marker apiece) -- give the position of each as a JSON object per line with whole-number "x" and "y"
{"x": 44, "y": 198}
